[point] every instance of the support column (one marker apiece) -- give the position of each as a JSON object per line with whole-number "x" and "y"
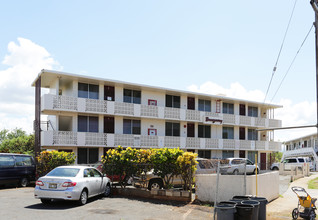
{"x": 37, "y": 121}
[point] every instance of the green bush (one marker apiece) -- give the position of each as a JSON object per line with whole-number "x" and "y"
{"x": 48, "y": 160}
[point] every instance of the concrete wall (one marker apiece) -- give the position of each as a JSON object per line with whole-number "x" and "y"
{"x": 233, "y": 185}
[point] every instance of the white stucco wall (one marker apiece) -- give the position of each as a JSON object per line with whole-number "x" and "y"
{"x": 230, "y": 185}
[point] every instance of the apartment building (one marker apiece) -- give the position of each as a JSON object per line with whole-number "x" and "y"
{"x": 306, "y": 146}
{"x": 88, "y": 115}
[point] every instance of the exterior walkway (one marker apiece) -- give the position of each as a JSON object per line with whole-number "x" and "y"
{"x": 282, "y": 207}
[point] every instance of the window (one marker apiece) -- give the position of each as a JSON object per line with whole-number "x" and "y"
{"x": 91, "y": 173}
{"x": 204, "y": 154}
{"x": 251, "y": 155}
{"x": 228, "y": 133}
{"x": 87, "y": 124}
{"x": 6, "y": 161}
{"x": 172, "y": 129}
{"x": 227, "y": 154}
{"x": 228, "y": 108}
{"x": 172, "y": 101}
{"x": 204, "y": 131}
{"x": 204, "y": 105}
{"x": 87, "y": 155}
{"x": 131, "y": 126}
{"x": 252, "y": 134}
{"x": 23, "y": 161}
{"x": 132, "y": 96}
{"x": 89, "y": 91}
{"x": 252, "y": 111}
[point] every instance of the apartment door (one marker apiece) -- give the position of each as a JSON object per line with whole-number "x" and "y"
{"x": 242, "y": 133}
{"x": 263, "y": 161}
{"x": 242, "y": 109}
{"x": 191, "y": 103}
{"x": 109, "y": 93}
{"x": 109, "y": 125}
{"x": 242, "y": 153}
{"x": 190, "y": 130}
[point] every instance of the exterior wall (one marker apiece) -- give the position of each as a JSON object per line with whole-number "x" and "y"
{"x": 230, "y": 185}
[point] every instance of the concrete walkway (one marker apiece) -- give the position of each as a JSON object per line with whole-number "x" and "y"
{"x": 282, "y": 207}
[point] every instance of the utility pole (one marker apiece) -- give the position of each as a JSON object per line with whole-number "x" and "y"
{"x": 314, "y": 5}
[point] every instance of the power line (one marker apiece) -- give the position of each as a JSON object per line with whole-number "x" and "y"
{"x": 280, "y": 50}
{"x": 292, "y": 62}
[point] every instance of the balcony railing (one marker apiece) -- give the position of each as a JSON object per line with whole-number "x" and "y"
{"x": 68, "y": 103}
{"x": 69, "y": 138}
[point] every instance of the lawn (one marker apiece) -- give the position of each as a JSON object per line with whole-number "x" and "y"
{"x": 313, "y": 184}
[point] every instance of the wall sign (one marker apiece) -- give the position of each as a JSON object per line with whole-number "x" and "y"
{"x": 213, "y": 120}
{"x": 152, "y": 132}
{"x": 152, "y": 102}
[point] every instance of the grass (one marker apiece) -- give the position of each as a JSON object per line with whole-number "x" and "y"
{"x": 313, "y": 184}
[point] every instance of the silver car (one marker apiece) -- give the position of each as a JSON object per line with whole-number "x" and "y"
{"x": 72, "y": 183}
{"x": 237, "y": 166}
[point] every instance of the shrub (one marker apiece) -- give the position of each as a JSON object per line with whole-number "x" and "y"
{"x": 187, "y": 166}
{"x": 48, "y": 160}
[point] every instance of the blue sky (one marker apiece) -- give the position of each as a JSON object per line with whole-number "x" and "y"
{"x": 198, "y": 45}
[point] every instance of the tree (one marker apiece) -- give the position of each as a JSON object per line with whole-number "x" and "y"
{"x": 16, "y": 141}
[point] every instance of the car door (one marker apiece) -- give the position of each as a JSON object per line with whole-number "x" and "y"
{"x": 250, "y": 166}
{"x": 99, "y": 183}
{"x": 7, "y": 166}
{"x": 89, "y": 181}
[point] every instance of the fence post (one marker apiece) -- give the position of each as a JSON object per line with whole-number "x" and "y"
{"x": 217, "y": 188}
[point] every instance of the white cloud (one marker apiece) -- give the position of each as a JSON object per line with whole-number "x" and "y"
{"x": 25, "y": 60}
{"x": 292, "y": 114}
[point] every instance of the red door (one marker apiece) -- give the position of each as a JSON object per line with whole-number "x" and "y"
{"x": 109, "y": 93}
{"x": 263, "y": 161}
{"x": 242, "y": 109}
{"x": 190, "y": 130}
{"x": 109, "y": 125}
{"x": 191, "y": 103}
{"x": 242, "y": 133}
{"x": 242, "y": 153}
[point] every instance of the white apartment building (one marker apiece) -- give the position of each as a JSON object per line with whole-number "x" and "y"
{"x": 306, "y": 146}
{"x": 88, "y": 115}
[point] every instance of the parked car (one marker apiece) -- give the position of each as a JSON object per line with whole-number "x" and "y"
{"x": 152, "y": 181}
{"x": 72, "y": 183}
{"x": 237, "y": 166}
{"x": 16, "y": 168}
{"x": 293, "y": 161}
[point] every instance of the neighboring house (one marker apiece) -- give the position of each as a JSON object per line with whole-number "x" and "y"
{"x": 90, "y": 115}
{"x": 306, "y": 146}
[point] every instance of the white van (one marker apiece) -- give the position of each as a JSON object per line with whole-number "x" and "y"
{"x": 292, "y": 161}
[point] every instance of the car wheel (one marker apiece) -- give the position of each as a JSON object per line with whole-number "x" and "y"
{"x": 24, "y": 182}
{"x": 235, "y": 172}
{"x": 46, "y": 201}
{"x": 295, "y": 213}
{"x": 83, "y": 198}
{"x": 275, "y": 168}
{"x": 312, "y": 215}
{"x": 107, "y": 190}
{"x": 155, "y": 184}
{"x": 254, "y": 172}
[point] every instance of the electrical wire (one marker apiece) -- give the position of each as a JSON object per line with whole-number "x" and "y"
{"x": 280, "y": 50}
{"x": 292, "y": 61}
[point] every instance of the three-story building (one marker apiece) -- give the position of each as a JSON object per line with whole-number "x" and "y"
{"x": 88, "y": 115}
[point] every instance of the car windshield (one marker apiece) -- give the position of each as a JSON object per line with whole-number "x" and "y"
{"x": 301, "y": 160}
{"x": 64, "y": 172}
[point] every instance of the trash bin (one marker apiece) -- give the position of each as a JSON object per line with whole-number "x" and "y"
{"x": 225, "y": 211}
{"x": 244, "y": 212}
{"x": 237, "y": 201}
{"x": 229, "y": 202}
{"x": 262, "y": 207}
{"x": 255, "y": 204}
{"x": 241, "y": 197}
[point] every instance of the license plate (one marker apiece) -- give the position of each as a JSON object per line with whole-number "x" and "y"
{"x": 52, "y": 185}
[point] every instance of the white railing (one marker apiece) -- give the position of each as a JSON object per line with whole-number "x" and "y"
{"x": 95, "y": 105}
{"x": 260, "y": 122}
{"x": 260, "y": 145}
{"x": 211, "y": 143}
{"x": 149, "y": 111}
{"x": 124, "y": 139}
{"x": 149, "y": 141}
{"x": 192, "y": 115}
{"x": 64, "y": 137}
{"x": 228, "y": 119}
{"x": 64, "y": 102}
{"x": 245, "y": 120}
{"x": 245, "y": 144}
{"x": 275, "y": 123}
{"x": 172, "y": 141}
{"x": 192, "y": 142}
{"x": 95, "y": 139}
{"x": 124, "y": 108}
{"x": 228, "y": 144}
{"x": 172, "y": 113}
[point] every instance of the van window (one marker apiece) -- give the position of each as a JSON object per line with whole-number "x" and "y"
{"x": 292, "y": 160}
{"x": 6, "y": 161}
{"x": 301, "y": 160}
{"x": 23, "y": 161}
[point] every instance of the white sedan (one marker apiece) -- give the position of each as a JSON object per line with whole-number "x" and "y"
{"x": 72, "y": 183}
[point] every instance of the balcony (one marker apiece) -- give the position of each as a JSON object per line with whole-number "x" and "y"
{"x": 73, "y": 104}
{"x": 69, "y": 138}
